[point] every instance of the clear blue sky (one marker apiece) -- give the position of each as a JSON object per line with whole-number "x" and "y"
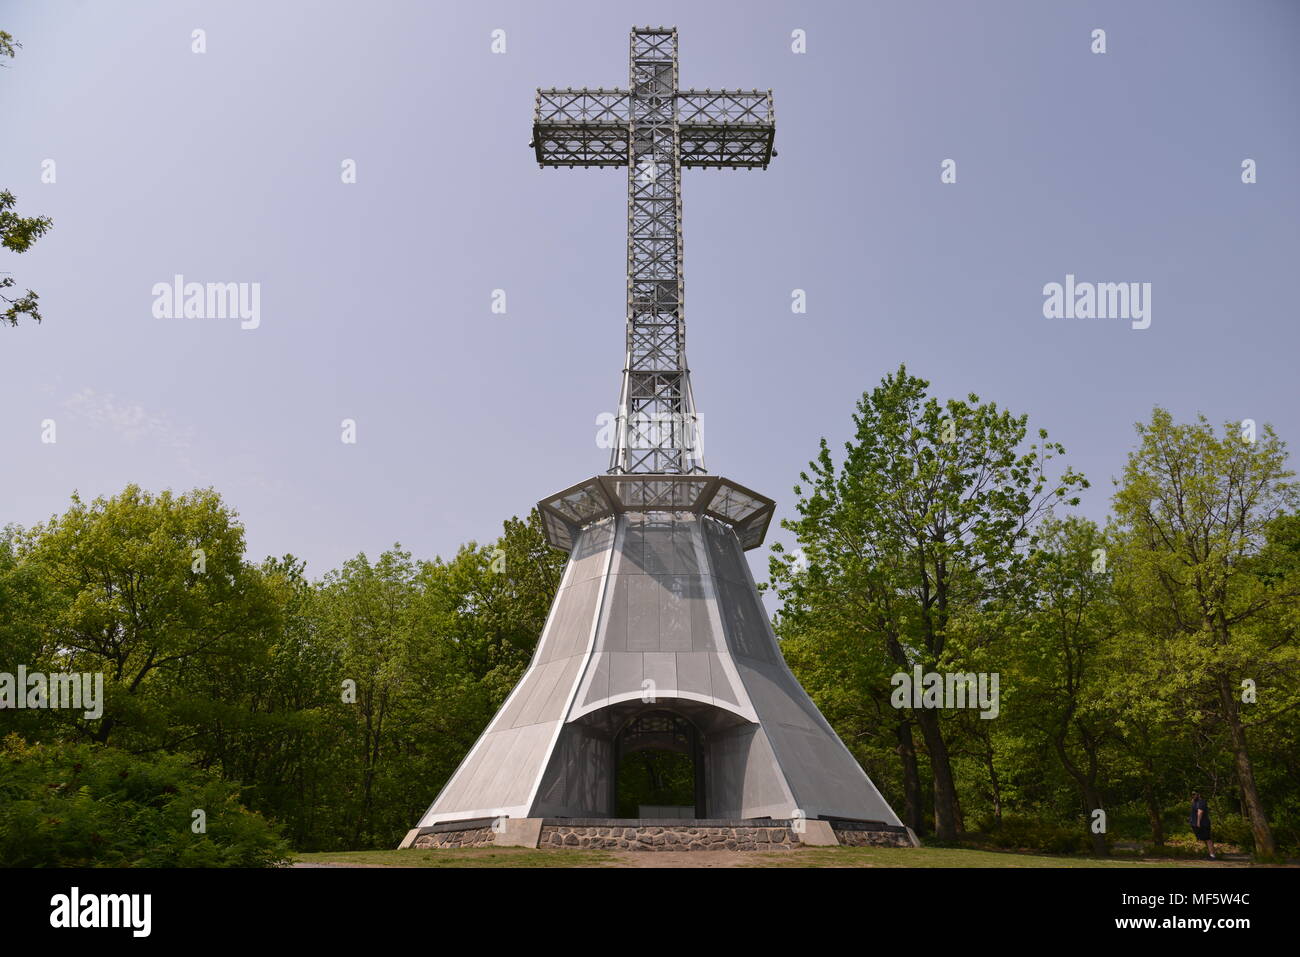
{"x": 375, "y": 296}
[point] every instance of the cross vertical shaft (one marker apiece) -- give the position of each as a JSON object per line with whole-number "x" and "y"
{"x": 656, "y": 418}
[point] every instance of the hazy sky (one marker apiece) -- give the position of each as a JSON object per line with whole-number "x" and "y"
{"x": 375, "y": 296}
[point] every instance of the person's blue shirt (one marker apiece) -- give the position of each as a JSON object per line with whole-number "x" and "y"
{"x": 1200, "y": 805}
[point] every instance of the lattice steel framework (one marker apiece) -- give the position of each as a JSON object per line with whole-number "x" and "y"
{"x": 655, "y": 130}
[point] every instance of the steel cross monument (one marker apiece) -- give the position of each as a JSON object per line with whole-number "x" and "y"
{"x": 655, "y": 130}
{"x": 657, "y": 638}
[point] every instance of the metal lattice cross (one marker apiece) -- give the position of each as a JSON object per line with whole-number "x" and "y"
{"x": 655, "y": 129}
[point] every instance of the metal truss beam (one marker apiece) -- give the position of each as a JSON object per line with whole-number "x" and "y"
{"x": 723, "y": 129}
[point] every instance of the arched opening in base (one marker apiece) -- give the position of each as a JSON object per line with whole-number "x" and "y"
{"x": 659, "y": 767}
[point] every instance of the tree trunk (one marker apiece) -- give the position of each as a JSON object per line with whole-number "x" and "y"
{"x": 1092, "y": 797}
{"x": 997, "y": 793}
{"x": 946, "y": 813}
{"x": 913, "y": 799}
{"x": 995, "y": 786}
{"x": 105, "y": 729}
{"x": 1153, "y": 814}
{"x": 1259, "y": 827}
{"x": 1088, "y": 791}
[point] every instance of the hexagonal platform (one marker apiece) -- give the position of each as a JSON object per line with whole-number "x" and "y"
{"x": 745, "y": 511}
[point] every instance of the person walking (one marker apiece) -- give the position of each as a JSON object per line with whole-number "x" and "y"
{"x": 1200, "y": 821}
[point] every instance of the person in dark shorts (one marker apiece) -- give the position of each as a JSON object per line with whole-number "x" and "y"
{"x": 1200, "y": 821}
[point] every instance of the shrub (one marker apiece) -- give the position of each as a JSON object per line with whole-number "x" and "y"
{"x": 81, "y": 805}
{"x": 1233, "y": 829}
{"x": 1030, "y": 834}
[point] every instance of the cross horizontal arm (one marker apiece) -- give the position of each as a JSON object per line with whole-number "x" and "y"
{"x": 728, "y": 129}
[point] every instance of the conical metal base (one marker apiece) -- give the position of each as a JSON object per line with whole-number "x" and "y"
{"x": 658, "y": 620}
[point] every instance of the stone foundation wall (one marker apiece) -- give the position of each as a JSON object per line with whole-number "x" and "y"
{"x": 757, "y": 835}
{"x": 861, "y": 837}
{"x": 669, "y": 838}
{"x": 470, "y": 837}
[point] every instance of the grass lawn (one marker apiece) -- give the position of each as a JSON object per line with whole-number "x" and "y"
{"x": 461, "y": 857}
{"x": 804, "y": 857}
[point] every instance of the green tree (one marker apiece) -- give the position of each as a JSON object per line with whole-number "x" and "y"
{"x": 366, "y": 614}
{"x": 927, "y": 519}
{"x": 142, "y": 588}
{"x": 17, "y": 233}
{"x": 1195, "y": 510}
{"x": 1061, "y": 657}
{"x": 277, "y": 722}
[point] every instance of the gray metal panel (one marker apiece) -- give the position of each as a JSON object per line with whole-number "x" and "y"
{"x": 725, "y": 561}
{"x": 614, "y": 632}
{"x": 510, "y": 756}
{"x": 581, "y": 605}
{"x": 577, "y": 782}
{"x": 661, "y": 668}
{"x": 560, "y": 622}
{"x": 684, "y": 560}
{"x": 642, "y": 613}
{"x": 598, "y": 684}
{"x": 742, "y": 778}
{"x": 721, "y": 681}
{"x": 703, "y": 637}
{"x": 524, "y": 692}
{"x": 632, "y": 551}
{"x": 765, "y": 785}
{"x": 693, "y": 673}
{"x": 624, "y": 673}
{"x": 659, "y": 553}
{"x": 489, "y": 781}
{"x": 745, "y": 623}
{"x": 531, "y": 711}
{"x": 675, "y": 611}
{"x": 555, "y": 705}
{"x": 588, "y": 568}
